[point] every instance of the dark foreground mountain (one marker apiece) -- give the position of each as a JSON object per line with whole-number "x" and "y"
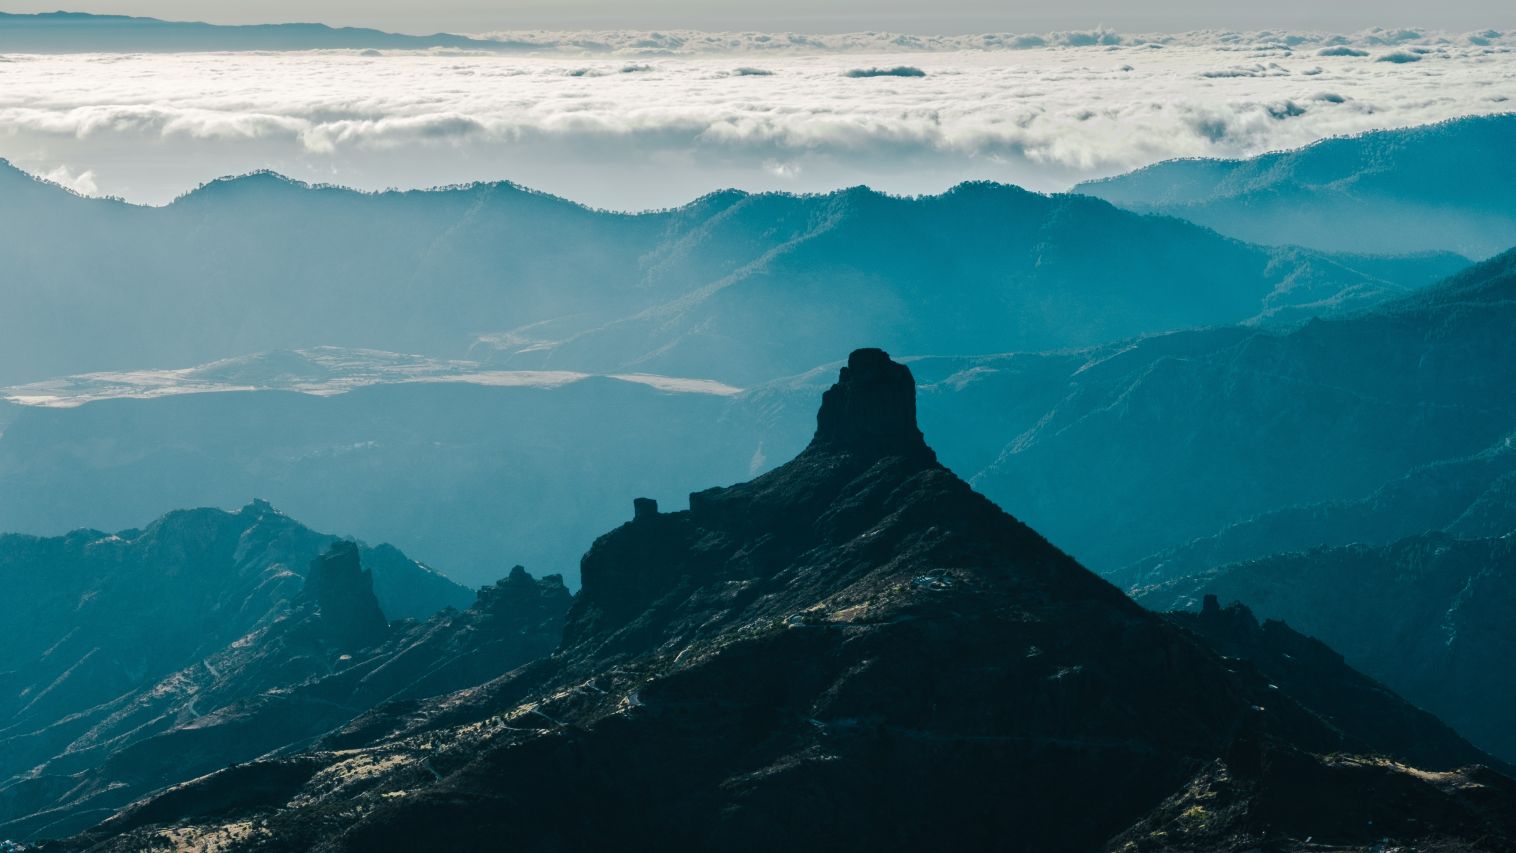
{"x": 735, "y": 287}
{"x": 853, "y": 651}
{"x": 1429, "y": 615}
{"x": 327, "y": 656}
{"x": 1443, "y": 186}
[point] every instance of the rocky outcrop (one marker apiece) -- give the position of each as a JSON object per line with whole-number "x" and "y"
{"x": 854, "y": 634}
{"x": 343, "y": 594}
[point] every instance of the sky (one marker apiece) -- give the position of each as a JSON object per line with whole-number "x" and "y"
{"x": 936, "y": 17}
{"x": 628, "y": 117}
{"x": 637, "y": 121}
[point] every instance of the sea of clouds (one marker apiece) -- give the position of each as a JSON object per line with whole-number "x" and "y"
{"x": 633, "y": 120}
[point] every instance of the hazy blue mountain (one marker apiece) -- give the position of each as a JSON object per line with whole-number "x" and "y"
{"x": 1430, "y": 615}
{"x": 77, "y": 32}
{"x": 1173, "y": 437}
{"x": 740, "y": 288}
{"x": 1469, "y": 497}
{"x": 981, "y": 268}
{"x": 1444, "y": 186}
{"x": 857, "y": 633}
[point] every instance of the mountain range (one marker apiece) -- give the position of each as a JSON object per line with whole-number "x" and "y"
{"x": 854, "y": 633}
{"x": 1441, "y": 186}
{"x": 733, "y": 287}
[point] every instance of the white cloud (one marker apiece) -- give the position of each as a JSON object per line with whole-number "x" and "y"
{"x": 690, "y": 114}
{"x": 82, "y": 182}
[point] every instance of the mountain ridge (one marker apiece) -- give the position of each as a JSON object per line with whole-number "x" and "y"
{"x": 1384, "y": 190}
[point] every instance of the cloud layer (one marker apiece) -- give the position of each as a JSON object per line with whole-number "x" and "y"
{"x": 634, "y": 120}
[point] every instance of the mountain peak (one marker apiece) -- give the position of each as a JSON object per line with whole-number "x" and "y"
{"x": 871, "y": 410}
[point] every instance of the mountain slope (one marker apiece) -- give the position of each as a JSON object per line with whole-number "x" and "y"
{"x": 1174, "y": 437}
{"x": 91, "y": 616}
{"x": 327, "y": 657}
{"x": 1471, "y": 497}
{"x": 855, "y": 633}
{"x": 1441, "y": 186}
{"x": 712, "y": 289}
{"x": 1430, "y": 615}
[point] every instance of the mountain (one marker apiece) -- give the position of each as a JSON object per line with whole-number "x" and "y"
{"x": 1430, "y": 615}
{"x": 328, "y": 655}
{"x": 733, "y": 287}
{"x": 1436, "y": 187}
{"x": 1470, "y": 497}
{"x": 1152, "y": 443}
{"x": 78, "y": 32}
{"x": 90, "y": 617}
{"x": 854, "y": 633}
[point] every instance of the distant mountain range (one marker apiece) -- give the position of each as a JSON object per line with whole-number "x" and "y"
{"x": 733, "y": 287}
{"x": 853, "y": 633}
{"x": 78, "y": 32}
{"x": 1440, "y": 187}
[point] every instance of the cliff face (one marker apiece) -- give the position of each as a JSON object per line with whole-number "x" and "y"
{"x": 854, "y": 651}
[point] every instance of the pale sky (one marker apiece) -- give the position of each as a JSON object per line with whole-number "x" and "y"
{"x": 914, "y": 16}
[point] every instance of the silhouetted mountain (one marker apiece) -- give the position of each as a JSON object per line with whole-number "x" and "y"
{"x": 77, "y": 32}
{"x": 854, "y": 634}
{"x": 740, "y": 288}
{"x": 328, "y": 656}
{"x": 1438, "y": 187}
{"x": 1429, "y": 615}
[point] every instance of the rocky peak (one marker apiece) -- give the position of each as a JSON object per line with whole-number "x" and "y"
{"x": 343, "y": 592}
{"x": 871, "y": 411}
